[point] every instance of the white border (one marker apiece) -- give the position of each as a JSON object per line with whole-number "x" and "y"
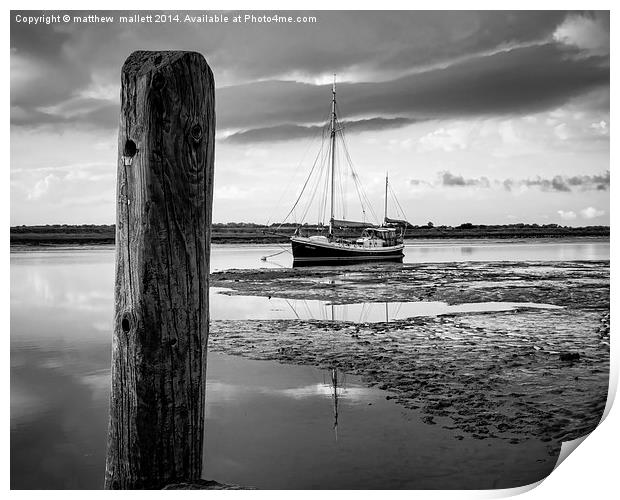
{"x": 590, "y": 472}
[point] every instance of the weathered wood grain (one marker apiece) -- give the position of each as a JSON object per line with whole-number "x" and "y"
{"x": 161, "y": 316}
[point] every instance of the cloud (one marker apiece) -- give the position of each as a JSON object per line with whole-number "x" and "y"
{"x": 567, "y": 215}
{"x": 415, "y": 65}
{"x": 290, "y": 131}
{"x": 586, "y": 213}
{"x": 446, "y": 139}
{"x": 367, "y": 45}
{"x": 44, "y": 79}
{"x": 449, "y": 179}
{"x": 484, "y": 72}
{"x": 599, "y": 182}
{"x": 87, "y": 113}
{"x": 66, "y": 184}
{"x": 563, "y": 184}
{"x": 520, "y": 81}
{"x": 591, "y": 213}
{"x": 588, "y": 32}
{"x": 557, "y": 183}
{"x": 377, "y": 45}
{"x": 43, "y": 186}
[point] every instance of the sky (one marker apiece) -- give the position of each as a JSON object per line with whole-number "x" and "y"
{"x": 491, "y": 117}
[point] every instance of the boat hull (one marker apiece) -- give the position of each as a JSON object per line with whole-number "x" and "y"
{"x": 310, "y": 253}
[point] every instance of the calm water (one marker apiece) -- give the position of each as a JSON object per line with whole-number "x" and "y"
{"x": 248, "y": 256}
{"x": 268, "y": 425}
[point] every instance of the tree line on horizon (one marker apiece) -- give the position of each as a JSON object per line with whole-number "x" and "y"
{"x": 97, "y": 228}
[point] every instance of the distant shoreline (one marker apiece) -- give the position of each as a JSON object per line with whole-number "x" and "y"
{"x": 60, "y": 235}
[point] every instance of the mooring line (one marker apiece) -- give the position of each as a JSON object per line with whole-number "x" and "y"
{"x": 265, "y": 257}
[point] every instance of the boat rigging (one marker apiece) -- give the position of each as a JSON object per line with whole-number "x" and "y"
{"x": 377, "y": 242}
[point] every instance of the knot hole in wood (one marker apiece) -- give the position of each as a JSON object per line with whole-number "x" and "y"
{"x": 126, "y": 323}
{"x": 129, "y": 151}
{"x": 196, "y": 132}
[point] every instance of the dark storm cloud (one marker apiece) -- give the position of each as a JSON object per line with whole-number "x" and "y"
{"x": 42, "y": 71}
{"x": 519, "y": 81}
{"x": 42, "y": 41}
{"x": 446, "y": 51}
{"x": 288, "y": 132}
{"x": 380, "y": 42}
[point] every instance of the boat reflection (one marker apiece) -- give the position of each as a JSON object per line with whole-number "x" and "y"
{"x": 335, "y": 388}
{"x": 334, "y": 385}
{"x": 243, "y": 307}
{"x": 364, "y": 312}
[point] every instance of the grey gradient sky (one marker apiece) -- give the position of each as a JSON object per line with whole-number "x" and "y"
{"x": 483, "y": 117}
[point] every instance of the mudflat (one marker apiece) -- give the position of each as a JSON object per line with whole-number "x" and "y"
{"x": 536, "y": 371}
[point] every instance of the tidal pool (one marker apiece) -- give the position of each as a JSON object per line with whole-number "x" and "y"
{"x": 228, "y": 306}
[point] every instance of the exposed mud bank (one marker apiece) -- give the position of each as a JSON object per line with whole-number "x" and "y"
{"x": 510, "y": 375}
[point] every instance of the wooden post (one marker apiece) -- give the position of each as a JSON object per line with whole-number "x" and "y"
{"x": 161, "y": 317}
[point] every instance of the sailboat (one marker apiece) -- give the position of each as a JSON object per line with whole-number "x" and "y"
{"x": 382, "y": 243}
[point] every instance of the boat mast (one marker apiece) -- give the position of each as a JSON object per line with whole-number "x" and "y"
{"x": 335, "y": 386}
{"x": 386, "y": 196}
{"x": 333, "y": 158}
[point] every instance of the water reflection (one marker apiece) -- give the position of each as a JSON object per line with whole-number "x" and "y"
{"x": 280, "y": 436}
{"x": 328, "y": 392}
{"x": 255, "y": 307}
{"x": 259, "y": 438}
{"x": 334, "y": 385}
